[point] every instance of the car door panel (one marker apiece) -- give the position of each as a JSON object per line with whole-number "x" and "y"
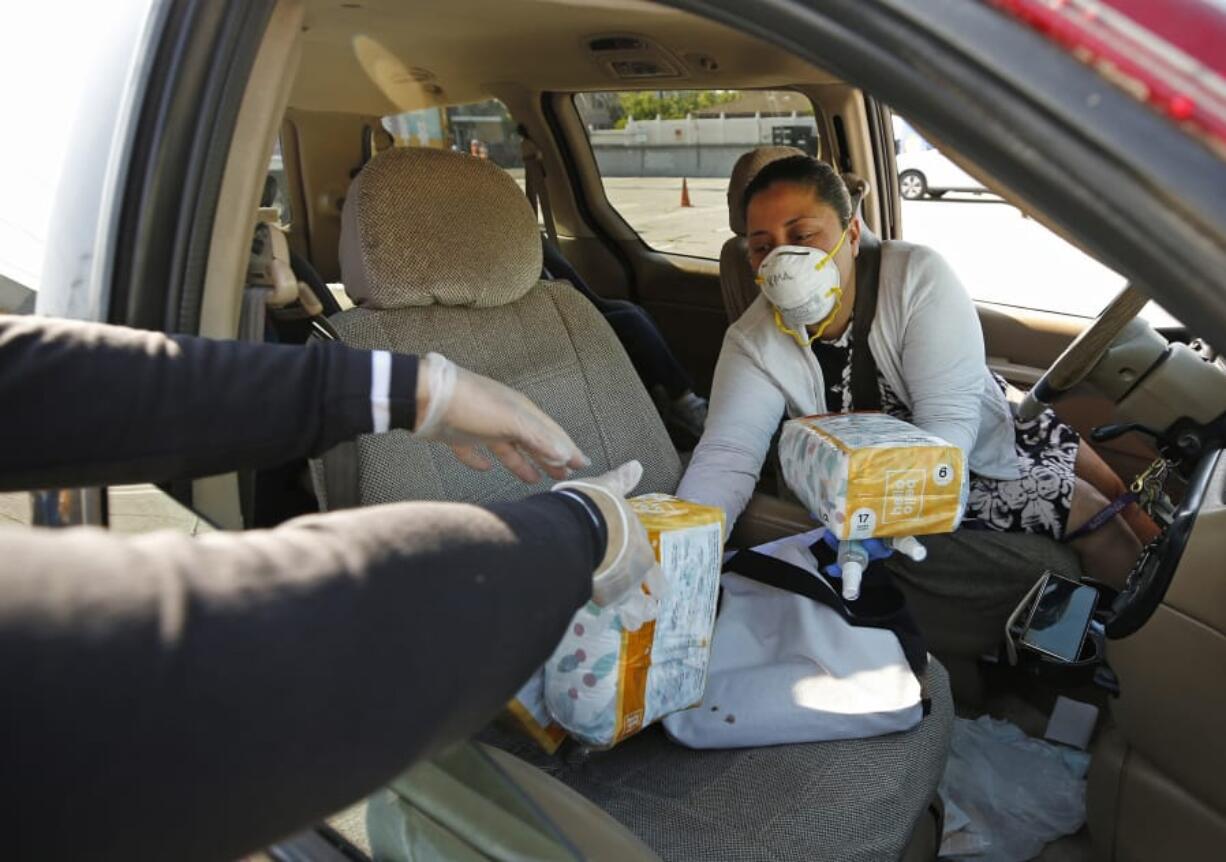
{"x": 683, "y": 295}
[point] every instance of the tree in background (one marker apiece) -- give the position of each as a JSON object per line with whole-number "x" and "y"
{"x": 668, "y": 104}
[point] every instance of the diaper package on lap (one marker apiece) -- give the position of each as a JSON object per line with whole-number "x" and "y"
{"x": 603, "y": 684}
{"x": 869, "y": 475}
{"x": 528, "y": 713}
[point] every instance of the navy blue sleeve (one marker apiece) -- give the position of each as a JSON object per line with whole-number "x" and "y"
{"x": 170, "y": 697}
{"x": 93, "y": 404}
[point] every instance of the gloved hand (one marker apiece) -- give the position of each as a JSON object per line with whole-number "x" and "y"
{"x": 629, "y": 561}
{"x": 466, "y": 410}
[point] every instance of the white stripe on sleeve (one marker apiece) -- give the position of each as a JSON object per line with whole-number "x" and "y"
{"x": 380, "y": 389}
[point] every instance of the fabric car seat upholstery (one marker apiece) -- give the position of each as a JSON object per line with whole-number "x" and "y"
{"x": 735, "y": 277}
{"x": 440, "y": 251}
{"x": 854, "y": 800}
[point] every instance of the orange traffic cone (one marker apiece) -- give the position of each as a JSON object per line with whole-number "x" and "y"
{"x": 685, "y": 194}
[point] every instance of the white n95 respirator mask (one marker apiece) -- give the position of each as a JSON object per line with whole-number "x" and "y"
{"x": 803, "y": 284}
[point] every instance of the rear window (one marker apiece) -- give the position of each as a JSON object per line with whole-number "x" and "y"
{"x": 665, "y": 156}
{"x": 484, "y": 130}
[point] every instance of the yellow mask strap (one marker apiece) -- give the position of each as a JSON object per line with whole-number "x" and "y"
{"x": 821, "y": 327}
{"x": 838, "y": 245}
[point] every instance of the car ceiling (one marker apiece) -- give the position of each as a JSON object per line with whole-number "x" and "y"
{"x": 381, "y": 57}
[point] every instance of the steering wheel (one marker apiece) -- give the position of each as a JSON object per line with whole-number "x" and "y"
{"x": 1079, "y": 358}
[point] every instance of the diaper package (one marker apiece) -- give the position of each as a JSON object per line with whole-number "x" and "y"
{"x": 869, "y": 475}
{"x": 603, "y": 684}
{"x": 528, "y": 713}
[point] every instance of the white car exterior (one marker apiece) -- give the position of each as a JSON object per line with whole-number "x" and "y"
{"x": 929, "y": 173}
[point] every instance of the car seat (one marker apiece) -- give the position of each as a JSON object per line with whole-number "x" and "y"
{"x": 440, "y": 252}
{"x": 434, "y": 259}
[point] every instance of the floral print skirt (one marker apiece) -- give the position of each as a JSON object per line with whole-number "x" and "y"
{"x": 1040, "y": 499}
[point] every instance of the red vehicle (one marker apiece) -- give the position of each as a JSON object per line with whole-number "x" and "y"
{"x": 1104, "y": 120}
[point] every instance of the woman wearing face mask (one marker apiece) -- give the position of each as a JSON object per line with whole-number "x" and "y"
{"x": 791, "y": 352}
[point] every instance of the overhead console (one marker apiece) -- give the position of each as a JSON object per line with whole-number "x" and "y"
{"x": 631, "y": 57}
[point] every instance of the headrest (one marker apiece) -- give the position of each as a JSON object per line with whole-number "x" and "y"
{"x": 424, "y": 227}
{"x": 743, "y": 172}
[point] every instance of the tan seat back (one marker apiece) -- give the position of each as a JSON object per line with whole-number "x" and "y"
{"x": 440, "y": 252}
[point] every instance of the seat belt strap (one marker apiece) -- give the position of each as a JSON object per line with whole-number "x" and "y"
{"x": 865, "y": 390}
{"x": 535, "y": 186}
{"x": 340, "y": 466}
{"x": 340, "y": 463}
{"x": 254, "y": 314}
{"x": 270, "y": 284}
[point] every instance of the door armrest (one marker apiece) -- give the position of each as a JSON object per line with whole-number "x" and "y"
{"x": 767, "y": 518}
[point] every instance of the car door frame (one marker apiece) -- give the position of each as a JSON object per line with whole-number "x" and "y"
{"x": 999, "y": 93}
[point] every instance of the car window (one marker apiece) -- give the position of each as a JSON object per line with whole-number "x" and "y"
{"x": 276, "y": 188}
{"x": 485, "y": 130}
{"x": 665, "y": 156}
{"x": 15, "y": 297}
{"x": 147, "y": 509}
{"x": 15, "y": 508}
{"x": 130, "y": 509}
{"x": 1000, "y": 255}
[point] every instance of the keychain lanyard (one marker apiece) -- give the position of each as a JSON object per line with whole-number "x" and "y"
{"x": 1145, "y": 490}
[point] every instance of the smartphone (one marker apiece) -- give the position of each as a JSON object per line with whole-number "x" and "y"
{"x": 1060, "y": 618}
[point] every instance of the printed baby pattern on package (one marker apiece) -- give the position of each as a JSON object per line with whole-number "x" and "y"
{"x": 603, "y": 684}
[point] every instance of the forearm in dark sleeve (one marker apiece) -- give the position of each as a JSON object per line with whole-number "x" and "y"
{"x": 195, "y": 699}
{"x": 91, "y": 404}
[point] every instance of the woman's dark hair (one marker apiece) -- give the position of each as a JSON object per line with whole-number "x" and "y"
{"x": 808, "y": 172}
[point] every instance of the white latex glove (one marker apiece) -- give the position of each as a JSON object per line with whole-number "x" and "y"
{"x": 629, "y": 561}
{"x": 466, "y": 410}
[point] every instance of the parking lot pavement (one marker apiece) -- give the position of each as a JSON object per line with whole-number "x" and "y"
{"x": 146, "y": 508}
{"x": 998, "y": 254}
{"x": 652, "y": 206}
{"x": 130, "y": 508}
{"x": 14, "y": 508}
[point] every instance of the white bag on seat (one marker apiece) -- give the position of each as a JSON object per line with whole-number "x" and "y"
{"x": 785, "y": 668}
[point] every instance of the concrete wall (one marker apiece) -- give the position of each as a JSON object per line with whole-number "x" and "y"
{"x": 15, "y": 298}
{"x": 692, "y": 147}
{"x": 699, "y": 130}
{"x": 714, "y": 160}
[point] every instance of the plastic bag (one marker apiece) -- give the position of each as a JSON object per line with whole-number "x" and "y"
{"x": 1008, "y": 794}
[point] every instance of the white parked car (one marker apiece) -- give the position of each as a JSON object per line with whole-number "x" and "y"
{"x": 929, "y": 173}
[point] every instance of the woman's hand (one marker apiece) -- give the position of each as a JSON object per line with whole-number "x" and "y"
{"x": 466, "y": 410}
{"x": 629, "y": 560}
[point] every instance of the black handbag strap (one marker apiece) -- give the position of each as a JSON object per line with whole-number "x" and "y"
{"x": 881, "y": 604}
{"x": 865, "y": 392}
